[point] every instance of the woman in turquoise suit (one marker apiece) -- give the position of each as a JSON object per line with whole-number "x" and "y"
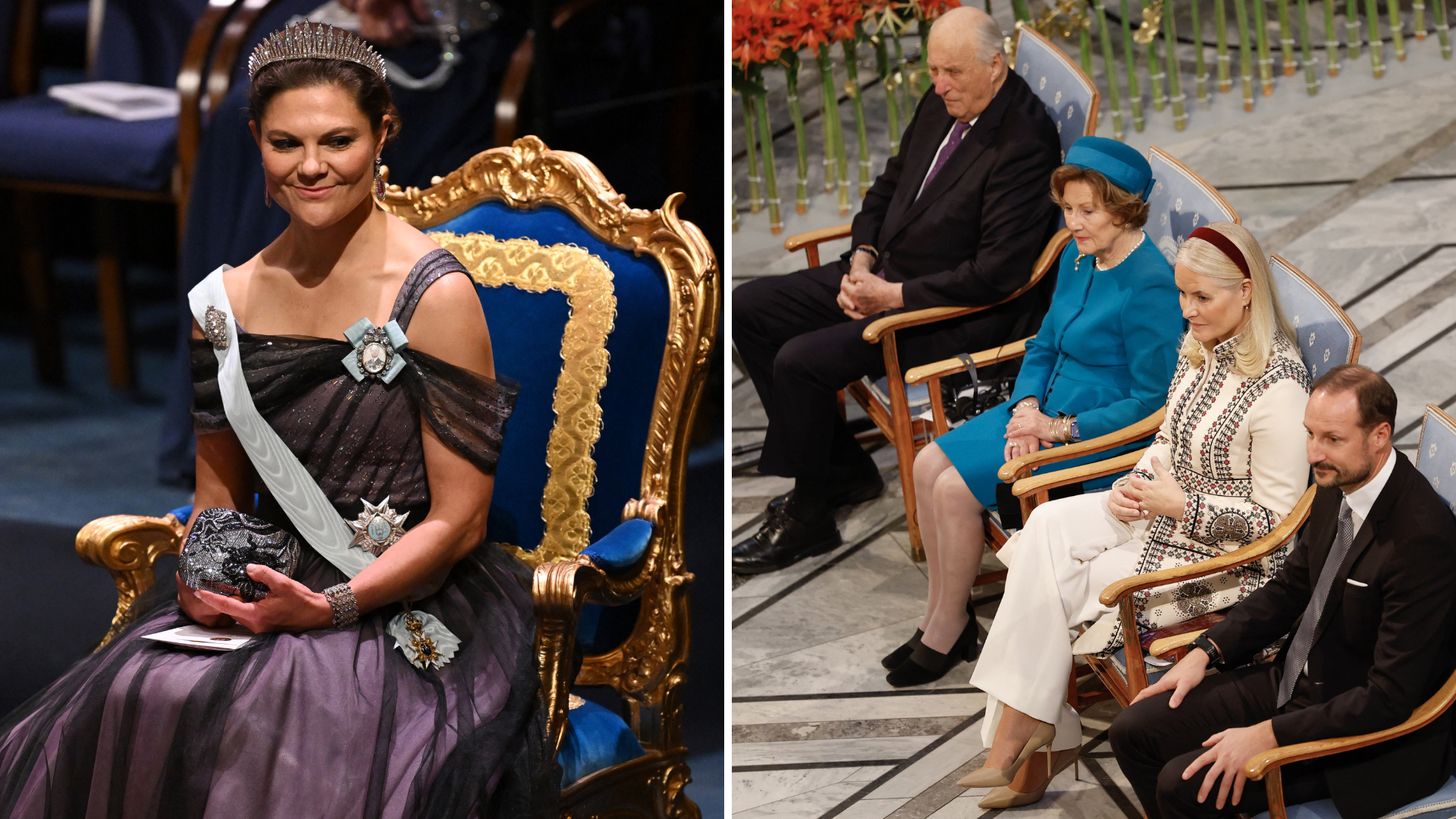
{"x": 1102, "y": 360}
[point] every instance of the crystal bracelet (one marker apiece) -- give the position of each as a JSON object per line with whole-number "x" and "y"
{"x": 342, "y": 604}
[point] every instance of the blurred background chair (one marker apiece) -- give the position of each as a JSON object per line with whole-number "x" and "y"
{"x": 607, "y": 317}
{"x": 54, "y": 150}
{"x": 898, "y": 411}
{"x": 1436, "y": 460}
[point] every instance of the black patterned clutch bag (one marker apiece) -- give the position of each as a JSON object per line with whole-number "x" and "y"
{"x": 221, "y": 545}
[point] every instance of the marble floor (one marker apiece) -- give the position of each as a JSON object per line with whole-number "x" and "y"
{"x": 1356, "y": 186}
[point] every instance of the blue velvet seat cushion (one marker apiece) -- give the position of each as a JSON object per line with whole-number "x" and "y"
{"x": 596, "y": 738}
{"x": 46, "y": 141}
{"x": 1441, "y": 804}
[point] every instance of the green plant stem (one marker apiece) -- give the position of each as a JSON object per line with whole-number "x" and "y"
{"x": 1332, "y": 40}
{"x": 1352, "y": 30}
{"x": 801, "y": 145}
{"x": 1377, "y": 49}
{"x": 1114, "y": 99}
{"x": 1156, "y": 76}
{"x": 829, "y": 115}
{"x": 1134, "y": 93}
{"x": 1443, "y": 29}
{"x": 922, "y": 78}
{"x": 892, "y": 97}
{"x": 1261, "y": 37}
{"x": 1397, "y": 37}
{"x": 1246, "y": 57}
{"x": 1175, "y": 85}
{"x": 851, "y": 69}
{"x": 1286, "y": 39}
{"x": 750, "y": 139}
{"x": 765, "y": 136}
{"x": 1220, "y": 50}
{"x": 1306, "y": 52}
{"x": 1200, "y": 68}
{"x": 841, "y": 160}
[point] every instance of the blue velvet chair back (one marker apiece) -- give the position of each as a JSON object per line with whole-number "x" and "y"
{"x": 1181, "y": 201}
{"x": 1436, "y": 455}
{"x": 1069, "y": 95}
{"x": 528, "y": 327}
{"x": 1326, "y": 336}
{"x": 142, "y": 41}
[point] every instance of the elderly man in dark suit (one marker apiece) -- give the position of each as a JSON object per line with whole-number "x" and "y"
{"x": 1368, "y": 595}
{"x": 957, "y": 218}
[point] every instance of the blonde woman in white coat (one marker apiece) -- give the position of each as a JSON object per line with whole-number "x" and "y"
{"x": 1227, "y": 464}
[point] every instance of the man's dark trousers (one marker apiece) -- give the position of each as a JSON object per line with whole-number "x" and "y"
{"x": 800, "y": 349}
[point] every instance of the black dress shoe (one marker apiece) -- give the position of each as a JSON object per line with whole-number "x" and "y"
{"x": 784, "y": 540}
{"x": 926, "y": 665}
{"x": 865, "y": 488}
{"x": 893, "y": 660}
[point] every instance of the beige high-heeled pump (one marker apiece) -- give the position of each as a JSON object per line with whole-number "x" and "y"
{"x": 1007, "y": 797}
{"x": 988, "y": 777}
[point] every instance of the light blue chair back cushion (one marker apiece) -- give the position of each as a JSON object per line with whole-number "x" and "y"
{"x": 1439, "y": 805}
{"x": 1437, "y": 456}
{"x": 1058, "y": 83}
{"x": 1326, "y": 336}
{"x": 1180, "y": 202}
{"x": 525, "y": 331}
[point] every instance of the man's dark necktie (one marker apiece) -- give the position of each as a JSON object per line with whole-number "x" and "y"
{"x": 957, "y": 132}
{"x": 1304, "y": 636}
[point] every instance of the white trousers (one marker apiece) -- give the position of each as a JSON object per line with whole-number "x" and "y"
{"x": 1069, "y": 551}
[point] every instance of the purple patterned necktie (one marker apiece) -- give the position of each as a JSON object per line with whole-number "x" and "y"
{"x": 957, "y": 132}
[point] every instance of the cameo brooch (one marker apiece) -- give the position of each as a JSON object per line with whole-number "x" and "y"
{"x": 376, "y": 352}
{"x": 377, "y": 527}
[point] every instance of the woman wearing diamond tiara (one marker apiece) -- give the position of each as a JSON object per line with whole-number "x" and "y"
{"x": 1226, "y": 465}
{"x": 1099, "y": 362}
{"x": 399, "y": 423}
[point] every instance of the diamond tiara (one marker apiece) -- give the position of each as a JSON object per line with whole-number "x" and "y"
{"x": 314, "y": 41}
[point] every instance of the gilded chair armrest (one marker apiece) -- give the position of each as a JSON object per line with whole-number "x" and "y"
{"x": 128, "y": 546}
{"x": 1247, "y": 554}
{"x": 1167, "y": 645}
{"x": 1070, "y": 475}
{"x": 950, "y": 366}
{"x": 1021, "y": 467}
{"x": 1256, "y": 766}
{"x": 559, "y": 589}
{"x": 878, "y": 328}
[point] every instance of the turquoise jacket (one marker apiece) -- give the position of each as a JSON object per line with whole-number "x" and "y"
{"x": 1107, "y": 347}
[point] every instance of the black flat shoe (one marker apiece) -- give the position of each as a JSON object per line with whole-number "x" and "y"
{"x": 893, "y": 660}
{"x": 783, "y": 541}
{"x": 926, "y": 665}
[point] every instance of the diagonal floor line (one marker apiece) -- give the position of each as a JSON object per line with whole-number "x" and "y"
{"x": 901, "y": 768}
{"x": 1341, "y": 201}
{"x": 1398, "y": 272}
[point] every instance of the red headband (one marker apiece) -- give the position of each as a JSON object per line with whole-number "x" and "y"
{"x": 1222, "y": 242}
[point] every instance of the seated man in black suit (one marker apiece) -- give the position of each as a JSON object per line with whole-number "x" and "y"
{"x": 957, "y": 218}
{"x": 1368, "y": 594}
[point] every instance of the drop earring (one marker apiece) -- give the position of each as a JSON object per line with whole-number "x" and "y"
{"x": 378, "y": 177}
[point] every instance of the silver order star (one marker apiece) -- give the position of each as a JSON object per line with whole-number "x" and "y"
{"x": 377, "y": 527}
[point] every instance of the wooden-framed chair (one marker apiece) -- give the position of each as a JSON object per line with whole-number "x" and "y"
{"x": 1071, "y": 98}
{"x": 1181, "y": 201}
{"x": 606, "y": 317}
{"x": 58, "y": 151}
{"x": 1436, "y": 460}
{"x": 1327, "y": 338}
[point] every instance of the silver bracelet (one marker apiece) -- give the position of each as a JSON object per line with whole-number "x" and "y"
{"x": 344, "y": 606}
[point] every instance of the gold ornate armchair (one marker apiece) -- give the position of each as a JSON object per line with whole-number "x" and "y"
{"x": 891, "y": 402}
{"x": 606, "y": 316}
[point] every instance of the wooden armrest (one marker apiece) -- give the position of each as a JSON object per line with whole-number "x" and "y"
{"x": 911, "y": 318}
{"x": 816, "y": 237}
{"x": 1167, "y": 645}
{"x": 1017, "y": 468}
{"x": 984, "y": 358}
{"x": 1246, "y": 554}
{"x": 128, "y": 546}
{"x": 1259, "y": 764}
{"x": 1070, "y": 475}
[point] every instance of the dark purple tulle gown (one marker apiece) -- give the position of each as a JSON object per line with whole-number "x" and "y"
{"x": 332, "y": 723}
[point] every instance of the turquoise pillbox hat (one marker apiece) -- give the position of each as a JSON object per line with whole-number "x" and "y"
{"x": 1122, "y": 164}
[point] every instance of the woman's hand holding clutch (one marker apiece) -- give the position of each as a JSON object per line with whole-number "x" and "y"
{"x": 196, "y": 610}
{"x": 289, "y": 606}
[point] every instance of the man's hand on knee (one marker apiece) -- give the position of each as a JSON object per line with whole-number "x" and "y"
{"x": 1180, "y": 679}
{"x": 1227, "y": 752}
